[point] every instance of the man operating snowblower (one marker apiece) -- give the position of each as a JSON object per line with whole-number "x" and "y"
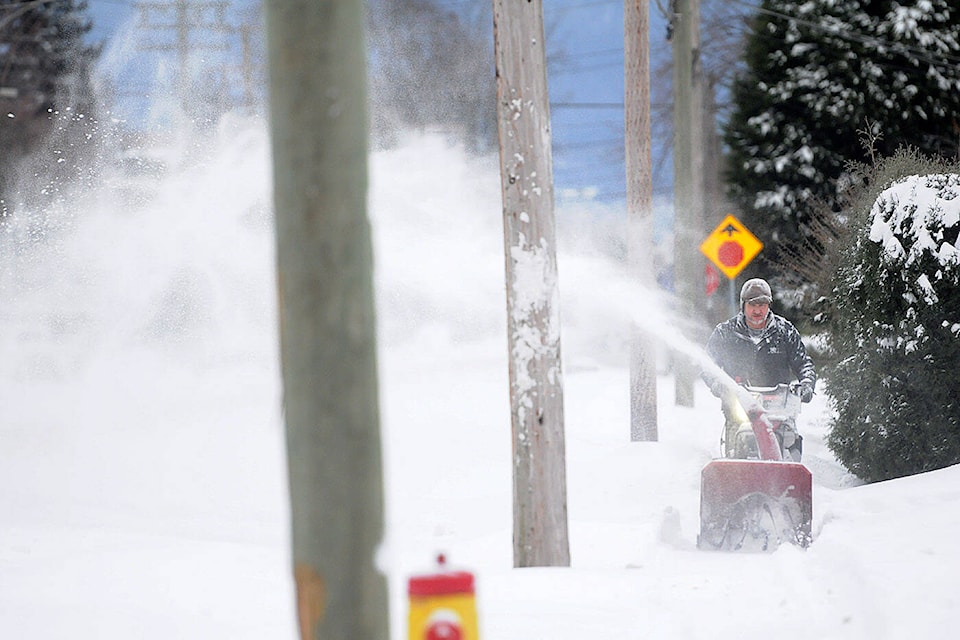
{"x": 758, "y": 348}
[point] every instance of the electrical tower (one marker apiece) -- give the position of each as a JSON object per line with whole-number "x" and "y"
{"x": 187, "y": 28}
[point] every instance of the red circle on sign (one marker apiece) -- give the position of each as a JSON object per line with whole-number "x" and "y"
{"x": 443, "y": 630}
{"x": 730, "y": 253}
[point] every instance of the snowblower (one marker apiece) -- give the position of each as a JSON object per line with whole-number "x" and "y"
{"x": 757, "y": 497}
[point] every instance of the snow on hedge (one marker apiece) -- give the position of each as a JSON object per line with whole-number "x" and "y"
{"x": 916, "y": 220}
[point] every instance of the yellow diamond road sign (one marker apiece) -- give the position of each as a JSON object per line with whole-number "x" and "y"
{"x": 731, "y": 247}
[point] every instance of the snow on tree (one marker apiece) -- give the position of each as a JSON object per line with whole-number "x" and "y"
{"x": 896, "y": 329}
{"x": 45, "y": 87}
{"x": 817, "y": 73}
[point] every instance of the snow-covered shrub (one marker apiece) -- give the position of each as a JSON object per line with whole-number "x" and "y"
{"x": 895, "y": 333}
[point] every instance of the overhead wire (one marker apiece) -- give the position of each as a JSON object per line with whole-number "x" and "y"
{"x": 939, "y": 59}
{"x": 596, "y": 58}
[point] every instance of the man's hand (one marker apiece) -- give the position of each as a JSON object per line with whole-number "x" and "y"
{"x": 718, "y": 389}
{"x": 806, "y": 392}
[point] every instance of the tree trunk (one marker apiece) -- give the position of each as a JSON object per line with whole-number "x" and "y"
{"x": 639, "y": 165}
{"x": 324, "y": 258}
{"x": 533, "y": 306}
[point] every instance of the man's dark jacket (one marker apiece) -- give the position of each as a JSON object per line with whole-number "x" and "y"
{"x": 779, "y": 356}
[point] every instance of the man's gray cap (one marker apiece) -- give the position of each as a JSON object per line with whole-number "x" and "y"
{"x": 755, "y": 290}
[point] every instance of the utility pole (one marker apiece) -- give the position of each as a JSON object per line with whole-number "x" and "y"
{"x": 318, "y": 125}
{"x": 639, "y": 165}
{"x": 183, "y": 19}
{"x": 688, "y": 202}
{"x": 533, "y": 300}
{"x": 715, "y": 308}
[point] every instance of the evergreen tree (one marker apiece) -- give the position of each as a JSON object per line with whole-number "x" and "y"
{"x": 44, "y": 77}
{"x": 894, "y": 329}
{"x": 817, "y": 73}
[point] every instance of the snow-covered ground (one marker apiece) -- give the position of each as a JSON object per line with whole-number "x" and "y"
{"x": 141, "y": 442}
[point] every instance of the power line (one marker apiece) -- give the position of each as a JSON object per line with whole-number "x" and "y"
{"x": 586, "y": 105}
{"x": 617, "y": 51}
{"x": 591, "y": 67}
{"x": 602, "y": 105}
{"x": 609, "y": 142}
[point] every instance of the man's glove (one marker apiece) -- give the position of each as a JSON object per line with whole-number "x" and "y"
{"x": 806, "y": 391}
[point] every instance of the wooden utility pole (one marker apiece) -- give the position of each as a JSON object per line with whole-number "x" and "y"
{"x": 716, "y": 308}
{"x": 318, "y": 107}
{"x": 533, "y": 305}
{"x": 639, "y": 164}
{"x": 687, "y": 183}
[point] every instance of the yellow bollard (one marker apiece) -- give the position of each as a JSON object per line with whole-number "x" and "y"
{"x": 443, "y": 605}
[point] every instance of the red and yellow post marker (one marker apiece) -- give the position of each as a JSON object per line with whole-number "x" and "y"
{"x": 443, "y": 605}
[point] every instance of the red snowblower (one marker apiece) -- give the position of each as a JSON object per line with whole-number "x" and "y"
{"x": 756, "y": 497}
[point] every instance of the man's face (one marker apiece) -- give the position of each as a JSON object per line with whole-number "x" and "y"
{"x": 756, "y": 313}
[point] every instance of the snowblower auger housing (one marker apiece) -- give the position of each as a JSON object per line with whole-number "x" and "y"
{"x": 755, "y": 505}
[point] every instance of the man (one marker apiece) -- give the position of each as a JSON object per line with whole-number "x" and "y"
{"x": 759, "y": 348}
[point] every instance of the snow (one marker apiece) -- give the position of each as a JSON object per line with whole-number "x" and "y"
{"x": 142, "y": 444}
{"x": 919, "y": 211}
{"x": 535, "y": 313}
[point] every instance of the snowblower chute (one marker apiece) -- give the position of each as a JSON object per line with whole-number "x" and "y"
{"x": 754, "y": 505}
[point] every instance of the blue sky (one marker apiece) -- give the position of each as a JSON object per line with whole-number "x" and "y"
{"x": 107, "y": 16}
{"x": 585, "y": 80}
